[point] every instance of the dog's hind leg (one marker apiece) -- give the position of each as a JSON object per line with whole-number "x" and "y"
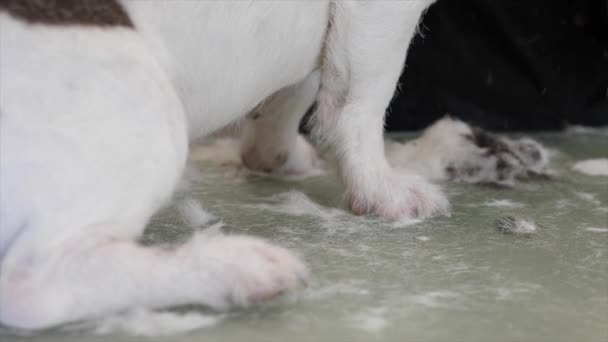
{"x": 364, "y": 55}
{"x": 89, "y": 277}
{"x": 270, "y": 139}
{"x": 93, "y": 141}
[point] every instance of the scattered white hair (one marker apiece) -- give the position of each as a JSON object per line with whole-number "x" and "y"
{"x": 585, "y": 130}
{"x": 195, "y": 216}
{"x": 592, "y": 167}
{"x": 223, "y": 151}
{"x": 143, "y": 322}
{"x": 504, "y": 203}
{"x": 192, "y": 213}
{"x": 516, "y": 225}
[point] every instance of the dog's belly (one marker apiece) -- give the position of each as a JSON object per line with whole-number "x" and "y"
{"x": 225, "y": 57}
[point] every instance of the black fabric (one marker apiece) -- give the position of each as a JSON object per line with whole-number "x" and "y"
{"x": 507, "y": 65}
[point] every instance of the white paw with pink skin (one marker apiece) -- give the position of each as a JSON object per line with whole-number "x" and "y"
{"x": 397, "y": 196}
{"x": 250, "y": 270}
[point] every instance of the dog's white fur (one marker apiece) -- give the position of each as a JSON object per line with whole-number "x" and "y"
{"x": 94, "y": 133}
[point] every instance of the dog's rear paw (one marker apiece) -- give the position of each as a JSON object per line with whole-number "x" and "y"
{"x": 399, "y": 196}
{"x": 300, "y": 159}
{"x": 252, "y": 271}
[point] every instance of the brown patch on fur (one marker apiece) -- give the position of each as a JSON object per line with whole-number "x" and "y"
{"x": 68, "y": 12}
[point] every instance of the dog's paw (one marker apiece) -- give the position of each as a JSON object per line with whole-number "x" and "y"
{"x": 398, "y": 196}
{"x": 299, "y": 159}
{"x": 249, "y": 271}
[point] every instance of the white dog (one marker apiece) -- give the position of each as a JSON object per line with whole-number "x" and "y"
{"x": 99, "y": 99}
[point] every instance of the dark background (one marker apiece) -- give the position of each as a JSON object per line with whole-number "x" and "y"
{"x": 507, "y": 65}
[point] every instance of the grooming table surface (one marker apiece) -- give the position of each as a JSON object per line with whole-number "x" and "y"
{"x": 445, "y": 279}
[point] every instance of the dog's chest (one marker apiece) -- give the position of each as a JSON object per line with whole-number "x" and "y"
{"x": 225, "y": 57}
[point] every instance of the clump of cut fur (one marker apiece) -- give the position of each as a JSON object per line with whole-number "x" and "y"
{"x": 516, "y": 225}
{"x": 452, "y": 150}
{"x": 592, "y": 167}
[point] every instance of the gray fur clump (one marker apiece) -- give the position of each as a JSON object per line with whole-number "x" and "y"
{"x": 516, "y": 225}
{"x": 453, "y": 150}
{"x": 500, "y": 160}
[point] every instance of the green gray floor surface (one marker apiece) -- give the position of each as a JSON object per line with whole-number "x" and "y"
{"x": 445, "y": 279}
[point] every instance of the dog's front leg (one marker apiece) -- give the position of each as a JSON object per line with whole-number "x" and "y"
{"x": 364, "y": 54}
